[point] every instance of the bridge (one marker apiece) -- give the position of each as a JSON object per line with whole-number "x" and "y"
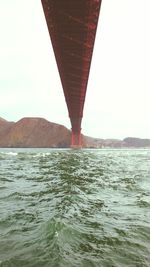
{"x": 72, "y": 27}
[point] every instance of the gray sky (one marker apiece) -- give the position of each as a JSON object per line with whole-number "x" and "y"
{"x": 118, "y": 93}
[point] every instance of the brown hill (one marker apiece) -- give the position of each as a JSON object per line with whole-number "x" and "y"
{"x": 38, "y": 132}
{"x": 34, "y": 132}
{"x": 5, "y": 125}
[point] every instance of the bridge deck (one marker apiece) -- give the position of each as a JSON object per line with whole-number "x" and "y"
{"x": 72, "y": 26}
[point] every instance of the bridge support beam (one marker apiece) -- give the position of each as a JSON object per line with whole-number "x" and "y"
{"x": 72, "y": 26}
{"x": 76, "y": 139}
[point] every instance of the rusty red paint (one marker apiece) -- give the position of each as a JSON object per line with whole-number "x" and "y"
{"x": 72, "y": 27}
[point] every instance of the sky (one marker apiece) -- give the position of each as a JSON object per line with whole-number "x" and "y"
{"x": 117, "y": 102}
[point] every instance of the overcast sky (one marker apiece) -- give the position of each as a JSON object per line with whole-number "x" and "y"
{"x": 118, "y": 95}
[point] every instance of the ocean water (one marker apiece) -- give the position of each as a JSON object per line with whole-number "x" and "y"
{"x": 70, "y": 208}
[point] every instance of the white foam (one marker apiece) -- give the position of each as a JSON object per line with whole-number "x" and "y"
{"x": 10, "y": 153}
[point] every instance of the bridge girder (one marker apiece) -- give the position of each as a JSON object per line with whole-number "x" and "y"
{"x": 72, "y": 27}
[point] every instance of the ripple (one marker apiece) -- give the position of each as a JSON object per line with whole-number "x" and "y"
{"x": 74, "y": 208}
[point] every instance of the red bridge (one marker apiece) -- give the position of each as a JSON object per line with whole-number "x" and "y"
{"x": 72, "y": 27}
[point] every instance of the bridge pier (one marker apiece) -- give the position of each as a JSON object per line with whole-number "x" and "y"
{"x": 76, "y": 139}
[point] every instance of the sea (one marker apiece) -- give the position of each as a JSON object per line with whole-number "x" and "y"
{"x": 74, "y": 208}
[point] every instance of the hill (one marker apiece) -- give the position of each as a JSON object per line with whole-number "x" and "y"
{"x": 33, "y": 132}
{"x": 38, "y": 132}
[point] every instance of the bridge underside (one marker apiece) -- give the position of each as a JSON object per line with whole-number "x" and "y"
{"x": 72, "y": 27}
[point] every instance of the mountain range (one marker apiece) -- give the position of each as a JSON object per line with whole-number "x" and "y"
{"x": 38, "y": 132}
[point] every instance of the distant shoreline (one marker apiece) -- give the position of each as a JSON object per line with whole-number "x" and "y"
{"x": 40, "y": 133}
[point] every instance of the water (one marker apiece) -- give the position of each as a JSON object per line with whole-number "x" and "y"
{"x": 68, "y": 208}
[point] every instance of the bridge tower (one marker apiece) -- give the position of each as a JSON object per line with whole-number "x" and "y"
{"x": 72, "y": 27}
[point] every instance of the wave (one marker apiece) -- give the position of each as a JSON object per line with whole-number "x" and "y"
{"x": 9, "y": 153}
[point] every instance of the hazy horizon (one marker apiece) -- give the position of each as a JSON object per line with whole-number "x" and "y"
{"x": 117, "y": 100}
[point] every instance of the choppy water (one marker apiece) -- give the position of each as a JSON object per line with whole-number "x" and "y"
{"x": 68, "y": 208}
